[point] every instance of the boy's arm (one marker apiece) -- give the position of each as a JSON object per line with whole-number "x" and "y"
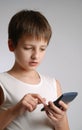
{"x": 58, "y": 116}
{"x": 5, "y": 116}
{"x": 63, "y": 125}
{"x": 1, "y": 96}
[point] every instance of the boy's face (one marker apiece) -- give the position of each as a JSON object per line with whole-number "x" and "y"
{"x": 29, "y": 52}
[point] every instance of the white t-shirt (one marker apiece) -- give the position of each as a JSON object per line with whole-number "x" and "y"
{"x": 14, "y": 90}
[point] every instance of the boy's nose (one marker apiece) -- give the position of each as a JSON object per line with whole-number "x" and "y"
{"x": 35, "y": 55}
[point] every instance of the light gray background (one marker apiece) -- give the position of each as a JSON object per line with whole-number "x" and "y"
{"x": 63, "y": 59}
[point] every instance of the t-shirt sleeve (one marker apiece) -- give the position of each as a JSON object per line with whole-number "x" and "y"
{"x": 4, "y": 91}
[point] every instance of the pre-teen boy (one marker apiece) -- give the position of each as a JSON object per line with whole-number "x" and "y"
{"x": 24, "y": 91}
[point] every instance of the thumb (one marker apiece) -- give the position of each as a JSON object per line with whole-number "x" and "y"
{"x": 42, "y": 101}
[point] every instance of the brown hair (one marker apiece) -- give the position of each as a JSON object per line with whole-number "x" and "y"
{"x": 30, "y": 23}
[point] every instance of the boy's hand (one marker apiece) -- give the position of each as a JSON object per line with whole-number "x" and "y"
{"x": 56, "y": 114}
{"x": 30, "y": 101}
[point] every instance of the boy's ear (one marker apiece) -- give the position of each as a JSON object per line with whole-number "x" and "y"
{"x": 10, "y": 45}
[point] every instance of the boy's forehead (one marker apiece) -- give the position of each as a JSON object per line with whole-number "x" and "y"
{"x": 33, "y": 39}
{"x": 35, "y": 42}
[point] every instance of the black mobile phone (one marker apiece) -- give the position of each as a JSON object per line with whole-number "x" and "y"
{"x": 65, "y": 97}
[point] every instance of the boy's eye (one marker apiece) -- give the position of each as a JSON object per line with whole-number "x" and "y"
{"x": 27, "y": 48}
{"x": 42, "y": 49}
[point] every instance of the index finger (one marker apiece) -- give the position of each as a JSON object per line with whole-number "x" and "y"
{"x": 40, "y": 99}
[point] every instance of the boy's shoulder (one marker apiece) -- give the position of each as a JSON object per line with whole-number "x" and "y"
{"x": 2, "y": 74}
{"x": 48, "y": 78}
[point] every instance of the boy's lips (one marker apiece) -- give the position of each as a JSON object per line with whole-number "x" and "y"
{"x": 33, "y": 63}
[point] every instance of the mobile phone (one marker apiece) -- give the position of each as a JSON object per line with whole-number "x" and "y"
{"x": 65, "y": 97}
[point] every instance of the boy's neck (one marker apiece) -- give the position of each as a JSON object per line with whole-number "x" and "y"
{"x": 31, "y": 76}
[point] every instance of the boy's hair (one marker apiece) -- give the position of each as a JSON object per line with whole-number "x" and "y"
{"x": 30, "y": 23}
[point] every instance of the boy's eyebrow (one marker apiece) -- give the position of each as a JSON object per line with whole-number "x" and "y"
{"x": 43, "y": 45}
{"x": 29, "y": 44}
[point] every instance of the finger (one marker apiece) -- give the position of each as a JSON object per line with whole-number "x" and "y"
{"x": 63, "y": 105}
{"x": 30, "y": 101}
{"x": 55, "y": 115}
{"x": 54, "y": 109}
{"x": 40, "y": 99}
{"x": 28, "y": 106}
{"x": 50, "y": 115}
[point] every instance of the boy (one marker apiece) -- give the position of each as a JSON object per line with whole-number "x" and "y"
{"x": 23, "y": 91}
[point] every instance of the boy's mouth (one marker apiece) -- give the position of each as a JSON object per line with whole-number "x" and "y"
{"x": 33, "y": 63}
